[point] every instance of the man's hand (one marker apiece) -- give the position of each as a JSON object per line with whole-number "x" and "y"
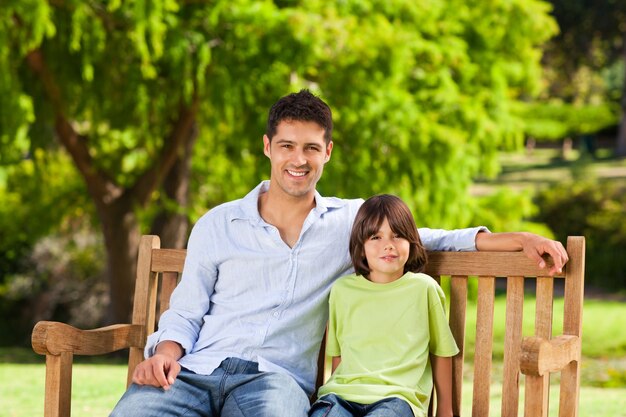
{"x": 534, "y": 246}
{"x": 162, "y": 368}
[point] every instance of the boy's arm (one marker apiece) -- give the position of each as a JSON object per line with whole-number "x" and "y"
{"x": 336, "y": 361}
{"x": 442, "y": 373}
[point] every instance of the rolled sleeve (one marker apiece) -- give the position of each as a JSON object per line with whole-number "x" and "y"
{"x": 461, "y": 240}
{"x": 159, "y": 336}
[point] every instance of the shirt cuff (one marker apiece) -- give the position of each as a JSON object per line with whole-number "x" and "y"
{"x": 159, "y": 336}
{"x": 450, "y": 240}
{"x": 467, "y": 238}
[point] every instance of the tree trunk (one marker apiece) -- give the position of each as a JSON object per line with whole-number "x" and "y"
{"x": 116, "y": 204}
{"x": 620, "y": 149}
{"x": 121, "y": 237}
{"x": 172, "y": 223}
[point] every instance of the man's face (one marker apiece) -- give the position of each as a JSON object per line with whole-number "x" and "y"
{"x": 297, "y": 153}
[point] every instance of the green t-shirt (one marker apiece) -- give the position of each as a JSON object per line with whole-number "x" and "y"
{"x": 384, "y": 334}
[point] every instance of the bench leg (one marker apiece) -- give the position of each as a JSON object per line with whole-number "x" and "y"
{"x": 536, "y": 396}
{"x": 58, "y": 385}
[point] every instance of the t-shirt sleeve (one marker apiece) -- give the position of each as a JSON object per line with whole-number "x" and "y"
{"x": 442, "y": 342}
{"x": 332, "y": 344}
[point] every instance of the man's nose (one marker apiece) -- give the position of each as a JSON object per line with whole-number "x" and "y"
{"x": 298, "y": 158}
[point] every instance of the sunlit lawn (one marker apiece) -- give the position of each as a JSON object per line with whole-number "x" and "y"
{"x": 97, "y": 387}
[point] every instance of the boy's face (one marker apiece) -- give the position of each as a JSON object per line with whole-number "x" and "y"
{"x": 386, "y": 254}
{"x": 298, "y": 153}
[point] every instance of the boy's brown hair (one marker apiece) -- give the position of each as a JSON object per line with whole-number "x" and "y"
{"x": 368, "y": 220}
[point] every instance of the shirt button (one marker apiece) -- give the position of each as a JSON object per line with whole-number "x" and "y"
{"x": 276, "y": 313}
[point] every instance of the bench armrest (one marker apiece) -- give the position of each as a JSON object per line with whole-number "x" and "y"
{"x": 540, "y": 356}
{"x": 54, "y": 338}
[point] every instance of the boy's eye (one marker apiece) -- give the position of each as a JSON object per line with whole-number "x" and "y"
{"x": 374, "y": 237}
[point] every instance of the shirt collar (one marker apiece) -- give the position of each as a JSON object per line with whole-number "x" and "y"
{"x": 249, "y": 205}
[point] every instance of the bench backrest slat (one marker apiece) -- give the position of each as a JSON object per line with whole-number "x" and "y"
{"x": 458, "y": 298}
{"x": 484, "y": 347}
{"x": 513, "y": 341}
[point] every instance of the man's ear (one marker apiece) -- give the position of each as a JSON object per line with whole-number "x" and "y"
{"x": 266, "y": 146}
{"x": 329, "y": 151}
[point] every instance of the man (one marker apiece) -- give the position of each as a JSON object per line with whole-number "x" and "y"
{"x": 245, "y": 323}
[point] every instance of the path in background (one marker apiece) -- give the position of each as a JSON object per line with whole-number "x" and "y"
{"x": 544, "y": 167}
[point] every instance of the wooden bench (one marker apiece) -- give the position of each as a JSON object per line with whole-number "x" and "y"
{"x": 536, "y": 356}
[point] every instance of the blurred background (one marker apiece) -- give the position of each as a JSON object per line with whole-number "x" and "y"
{"x": 121, "y": 118}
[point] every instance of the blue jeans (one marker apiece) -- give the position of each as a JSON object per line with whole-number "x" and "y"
{"x": 333, "y": 406}
{"x": 236, "y": 389}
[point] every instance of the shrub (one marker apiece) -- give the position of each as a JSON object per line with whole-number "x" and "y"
{"x": 595, "y": 210}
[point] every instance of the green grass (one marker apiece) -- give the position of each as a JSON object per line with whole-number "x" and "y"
{"x": 596, "y": 402}
{"x": 95, "y": 389}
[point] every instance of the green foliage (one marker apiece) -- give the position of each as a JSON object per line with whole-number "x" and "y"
{"x": 555, "y": 120}
{"x": 423, "y": 92}
{"x": 38, "y": 196}
{"x": 585, "y": 62}
{"x": 506, "y": 210}
{"x": 423, "y": 105}
{"x": 44, "y": 216}
{"x": 595, "y": 210}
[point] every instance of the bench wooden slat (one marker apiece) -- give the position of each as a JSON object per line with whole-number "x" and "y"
{"x": 484, "y": 346}
{"x": 458, "y": 303}
{"x": 512, "y": 343}
{"x": 169, "y": 280}
{"x": 168, "y": 260}
{"x": 492, "y": 264}
{"x": 538, "y": 387}
{"x": 572, "y": 324}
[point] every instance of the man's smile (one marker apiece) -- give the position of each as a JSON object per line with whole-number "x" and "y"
{"x": 297, "y": 173}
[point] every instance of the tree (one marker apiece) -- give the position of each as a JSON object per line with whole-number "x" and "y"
{"x": 592, "y": 41}
{"x": 144, "y": 91}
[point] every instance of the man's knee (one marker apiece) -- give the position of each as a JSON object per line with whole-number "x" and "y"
{"x": 148, "y": 401}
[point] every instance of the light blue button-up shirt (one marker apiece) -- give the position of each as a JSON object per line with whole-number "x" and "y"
{"x": 245, "y": 293}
